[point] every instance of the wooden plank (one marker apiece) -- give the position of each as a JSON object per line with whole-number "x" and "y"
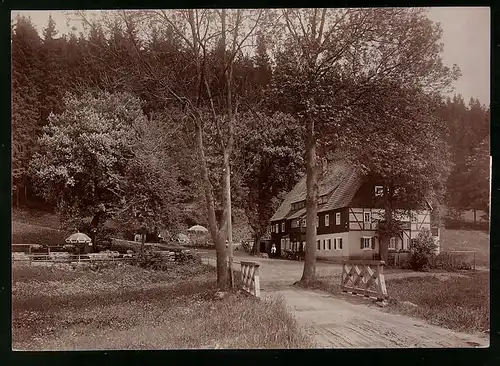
{"x": 250, "y": 263}
{"x": 363, "y": 262}
{"x": 257, "y": 283}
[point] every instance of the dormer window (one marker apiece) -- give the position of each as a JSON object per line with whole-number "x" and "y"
{"x": 379, "y": 191}
{"x": 322, "y": 199}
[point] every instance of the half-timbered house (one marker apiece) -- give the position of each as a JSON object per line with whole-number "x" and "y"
{"x": 348, "y": 213}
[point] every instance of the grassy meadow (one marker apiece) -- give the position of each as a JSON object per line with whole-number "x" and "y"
{"x": 126, "y": 307}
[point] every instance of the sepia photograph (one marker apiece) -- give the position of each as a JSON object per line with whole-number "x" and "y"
{"x": 269, "y": 178}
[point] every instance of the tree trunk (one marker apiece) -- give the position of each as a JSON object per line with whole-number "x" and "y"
{"x": 143, "y": 240}
{"x": 309, "y": 273}
{"x": 256, "y": 242}
{"x": 227, "y": 203}
{"x": 219, "y": 240}
{"x": 93, "y": 229}
{"x": 384, "y": 248}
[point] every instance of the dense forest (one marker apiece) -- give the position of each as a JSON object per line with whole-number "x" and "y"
{"x": 104, "y": 122}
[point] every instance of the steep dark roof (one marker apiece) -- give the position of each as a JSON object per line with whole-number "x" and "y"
{"x": 340, "y": 181}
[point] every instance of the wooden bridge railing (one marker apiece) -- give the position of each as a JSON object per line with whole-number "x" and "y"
{"x": 364, "y": 277}
{"x": 250, "y": 278}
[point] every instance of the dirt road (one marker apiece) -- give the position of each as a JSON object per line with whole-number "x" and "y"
{"x": 347, "y": 321}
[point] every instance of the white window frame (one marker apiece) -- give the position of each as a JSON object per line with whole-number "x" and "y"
{"x": 339, "y": 246}
{"x": 329, "y": 244}
{"x": 282, "y": 227}
{"x": 369, "y": 242}
{"x": 377, "y": 191}
{"x": 337, "y": 218}
{"x": 392, "y": 243}
{"x": 327, "y": 220}
{"x": 277, "y": 228}
{"x": 317, "y": 221}
{"x": 369, "y": 217}
{"x": 318, "y": 244}
{"x": 324, "y": 244}
{"x": 336, "y": 242}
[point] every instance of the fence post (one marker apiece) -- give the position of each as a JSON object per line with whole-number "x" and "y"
{"x": 256, "y": 282}
{"x": 474, "y": 261}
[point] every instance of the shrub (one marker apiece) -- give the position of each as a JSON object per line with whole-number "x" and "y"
{"x": 186, "y": 256}
{"x": 152, "y": 260}
{"x": 422, "y": 251}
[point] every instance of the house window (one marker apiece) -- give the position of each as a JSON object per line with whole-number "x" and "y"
{"x": 304, "y": 223}
{"x": 379, "y": 191}
{"x": 327, "y": 220}
{"x": 329, "y": 244}
{"x": 318, "y": 243}
{"x": 367, "y": 217}
{"x": 324, "y": 244}
{"x": 367, "y": 241}
{"x": 337, "y": 243}
{"x": 340, "y": 243}
{"x": 337, "y": 218}
{"x": 392, "y": 243}
{"x": 294, "y": 224}
{"x": 317, "y": 221}
{"x": 282, "y": 227}
{"x": 277, "y": 228}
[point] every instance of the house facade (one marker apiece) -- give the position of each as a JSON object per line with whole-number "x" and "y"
{"x": 349, "y": 210}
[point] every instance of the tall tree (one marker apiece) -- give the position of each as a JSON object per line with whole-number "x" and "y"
{"x": 84, "y": 156}
{"x": 405, "y": 150}
{"x": 332, "y": 60}
{"x": 54, "y": 77}
{"x": 25, "y": 100}
{"x": 211, "y": 40}
{"x": 268, "y": 153}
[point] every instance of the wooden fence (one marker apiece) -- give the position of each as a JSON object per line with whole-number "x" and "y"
{"x": 250, "y": 278}
{"x": 249, "y": 275}
{"x": 67, "y": 258}
{"x": 364, "y": 277}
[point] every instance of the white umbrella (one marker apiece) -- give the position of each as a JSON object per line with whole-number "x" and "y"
{"x": 198, "y": 229}
{"x": 78, "y": 238}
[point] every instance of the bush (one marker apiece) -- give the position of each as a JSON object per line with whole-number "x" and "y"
{"x": 153, "y": 260}
{"x": 422, "y": 251}
{"x": 186, "y": 256}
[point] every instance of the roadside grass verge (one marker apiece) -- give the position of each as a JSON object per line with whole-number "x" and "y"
{"x": 475, "y": 240}
{"x": 126, "y": 307}
{"x": 458, "y": 303}
{"x": 455, "y": 302}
